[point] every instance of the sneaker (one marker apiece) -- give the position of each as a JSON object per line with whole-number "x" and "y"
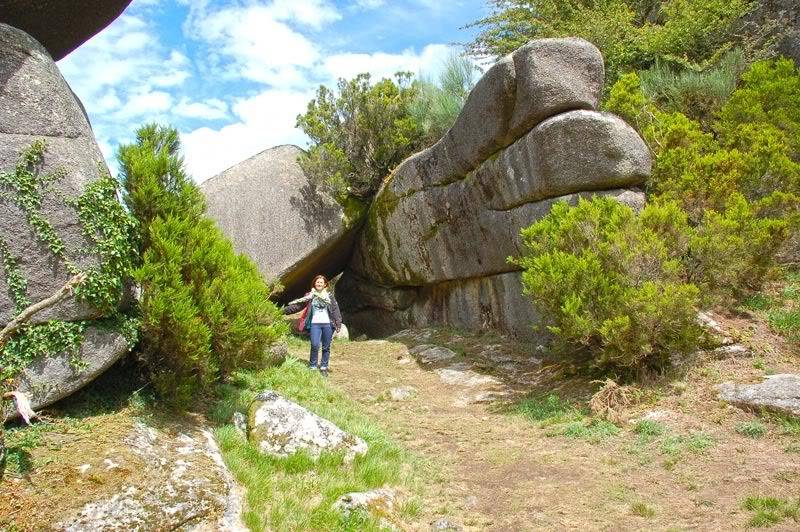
{"x": 323, "y": 372}
{"x": 312, "y": 367}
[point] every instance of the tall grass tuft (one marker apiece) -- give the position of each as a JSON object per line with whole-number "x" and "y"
{"x": 438, "y": 103}
{"x": 698, "y": 94}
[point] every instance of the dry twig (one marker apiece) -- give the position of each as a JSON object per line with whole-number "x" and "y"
{"x": 28, "y": 313}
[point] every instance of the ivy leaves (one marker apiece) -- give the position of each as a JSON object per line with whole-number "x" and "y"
{"x": 109, "y": 228}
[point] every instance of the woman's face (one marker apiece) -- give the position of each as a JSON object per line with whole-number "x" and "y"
{"x": 319, "y": 284}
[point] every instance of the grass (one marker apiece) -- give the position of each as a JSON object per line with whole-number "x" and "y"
{"x": 675, "y": 447}
{"x": 771, "y": 511}
{"x": 549, "y": 410}
{"x": 751, "y": 429}
{"x": 297, "y": 492}
{"x": 785, "y": 322}
{"x": 594, "y": 430}
{"x": 648, "y": 429}
{"x": 643, "y": 510}
{"x": 781, "y": 309}
{"x": 563, "y": 418}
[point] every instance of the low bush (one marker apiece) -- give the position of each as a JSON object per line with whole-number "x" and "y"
{"x": 610, "y": 282}
{"x": 698, "y": 94}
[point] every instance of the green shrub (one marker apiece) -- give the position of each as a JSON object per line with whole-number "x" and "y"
{"x": 631, "y": 34}
{"x": 359, "y": 133}
{"x": 436, "y": 105}
{"x": 205, "y": 311}
{"x": 610, "y": 282}
{"x": 738, "y": 181}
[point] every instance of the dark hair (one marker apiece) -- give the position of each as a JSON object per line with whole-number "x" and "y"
{"x": 314, "y": 280}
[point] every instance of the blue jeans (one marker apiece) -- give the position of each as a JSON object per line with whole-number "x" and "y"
{"x": 320, "y": 333}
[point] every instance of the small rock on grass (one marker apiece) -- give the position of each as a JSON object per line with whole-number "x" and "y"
{"x": 429, "y": 354}
{"x": 445, "y": 524}
{"x": 731, "y": 351}
{"x": 378, "y": 502}
{"x": 778, "y": 393}
{"x": 239, "y": 421}
{"x": 400, "y": 393}
{"x": 280, "y": 427}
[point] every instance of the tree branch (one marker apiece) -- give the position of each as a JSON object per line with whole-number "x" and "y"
{"x": 26, "y": 314}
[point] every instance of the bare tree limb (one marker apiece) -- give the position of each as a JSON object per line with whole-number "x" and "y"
{"x": 26, "y": 314}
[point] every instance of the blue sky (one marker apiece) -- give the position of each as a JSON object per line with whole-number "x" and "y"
{"x": 232, "y": 76}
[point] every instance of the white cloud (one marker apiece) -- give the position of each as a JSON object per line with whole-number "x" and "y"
{"x": 212, "y": 109}
{"x": 145, "y": 104}
{"x": 264, "y": 120}
{"x": 369, "y": 4}
{"x": 383, "y": 65}
{"x": 120, "y": 64}
{"x": 256, "y": 42}
{"x": 312, "y": 13}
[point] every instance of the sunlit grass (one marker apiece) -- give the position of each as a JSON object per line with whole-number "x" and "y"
{"x": 298, "y": 492}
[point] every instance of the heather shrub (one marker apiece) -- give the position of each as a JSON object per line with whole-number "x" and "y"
{"x": 359, "y": 133}
{"x": 631, "y": 34}
{"x": 610, "y": 283}
{"x": 205, "y": 310}
{"x": 737, "y": 177}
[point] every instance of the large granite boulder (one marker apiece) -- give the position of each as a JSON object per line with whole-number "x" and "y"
{"x": 280, "y": 427}
{"x": 61, "y": 25}
{"x": 37, "y": 103}
{"x": 276, "y": 215}
{"x": 435, "y": 244}
{"x": 156, "y": 480}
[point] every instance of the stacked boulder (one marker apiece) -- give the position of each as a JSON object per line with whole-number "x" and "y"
{"x": 435, "y": 244}
{"x": 36, "y": 103}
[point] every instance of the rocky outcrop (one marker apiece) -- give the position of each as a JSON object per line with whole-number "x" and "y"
{"x": 173, "y": 480}
{"x": 36, "y": 103}
{"x": 59, "y": 25}
{"x": 776, "y": 20}
{"x": 435, "y": 244}
{"x": 274, "y": 214}
{"x": 280, "y": 427}
{"x": 778, "y": 393}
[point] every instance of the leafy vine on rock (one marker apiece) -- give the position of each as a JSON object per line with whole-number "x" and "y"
{"x": 106, "y": 225}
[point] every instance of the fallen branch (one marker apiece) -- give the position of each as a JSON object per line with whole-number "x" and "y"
{"x": 28, "y": 313}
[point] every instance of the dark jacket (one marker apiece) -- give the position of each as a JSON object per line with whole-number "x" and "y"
{"x": 298, "y": 305}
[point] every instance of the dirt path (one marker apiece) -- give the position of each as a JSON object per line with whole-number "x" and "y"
{"x": 500, "y": 471}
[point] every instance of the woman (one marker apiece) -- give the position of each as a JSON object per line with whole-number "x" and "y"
{"x": 320, "y": 319}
